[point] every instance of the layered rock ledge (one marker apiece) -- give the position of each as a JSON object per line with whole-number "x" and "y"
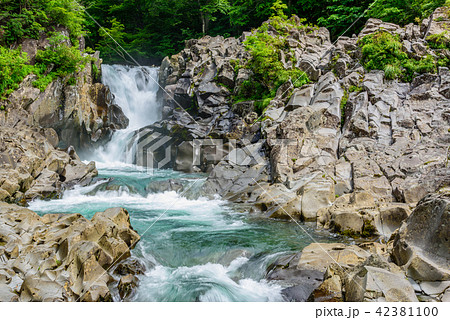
{"x": 413, "y": 266}
{"x": 66, "y": 257}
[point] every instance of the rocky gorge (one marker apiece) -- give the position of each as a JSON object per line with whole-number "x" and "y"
{"x": 350, "y": 151}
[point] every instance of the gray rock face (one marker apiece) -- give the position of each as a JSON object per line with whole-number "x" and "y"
{"x": 82, "y": 114}
{"x": 30, "y": 167}
{"x": 378, "y": 280}
{"x": 389, "y": 140}
{"x": 338, "y": 272}
{"x": 61, "y": 257}
{"x": 421, "y": 244}
{"x": 320, "y": 272}
{"x": 358, "y": 214}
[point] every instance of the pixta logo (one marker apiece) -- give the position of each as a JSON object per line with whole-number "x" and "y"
{"x": 153, "y": 150}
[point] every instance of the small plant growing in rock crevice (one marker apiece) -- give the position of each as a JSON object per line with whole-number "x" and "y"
{"x": 269, "y": 72}
{"x": 344, "y": 106}
{"x": 384, "y": 51}
{"x": 439, "y": 41}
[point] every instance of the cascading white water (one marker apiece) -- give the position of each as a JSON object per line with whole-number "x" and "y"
{"x": 135, "y": 91}
{"x": 194, "y": 249}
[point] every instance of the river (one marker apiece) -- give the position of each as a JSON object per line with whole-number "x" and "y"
{"x": 195, "y": 249}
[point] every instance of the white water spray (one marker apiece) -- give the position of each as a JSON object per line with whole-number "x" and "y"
{"x": 135, "y": 91}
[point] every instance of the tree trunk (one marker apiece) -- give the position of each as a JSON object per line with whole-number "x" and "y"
{"x": 205, "y": 22}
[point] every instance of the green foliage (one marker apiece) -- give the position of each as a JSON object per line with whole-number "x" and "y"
{"x": 265, "y": 52}
{"x": 43, "y": 80}
{"x": 111, "y": 40}
{"x": 355, "y": 89}
{"x": 13, "y": 70}
{"x": 269, "y": 72}
{"x": 21, "y": 19}
{"x": 64, "y": 58}
{"x": 344, "y": 106}
{"x": 439, "y": 41}
{"x": 338, "y": 16}
{"x": 211, "y": 7}
{"x": 384, "y": 51}
{"x": 61, "y": 58}
{"x": 68, "y": 13}
{"x": 403, "y": 11}
{"x": 278, "y": 10}
{"x": 26, "y": 24}
{"x": 95, "y": 71}
{"x": 159, "y": 27}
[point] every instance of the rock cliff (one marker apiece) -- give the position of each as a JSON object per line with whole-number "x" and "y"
{"x": 351, "y": 149}
{"x": 39, "y": 130}
{"x": 81, "y": 112}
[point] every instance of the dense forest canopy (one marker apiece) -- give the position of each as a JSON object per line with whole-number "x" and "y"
{"x": 152, "y": 29}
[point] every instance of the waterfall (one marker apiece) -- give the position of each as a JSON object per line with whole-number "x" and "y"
{"x": 194, "y": 248}
{"x": 135, "y": 91}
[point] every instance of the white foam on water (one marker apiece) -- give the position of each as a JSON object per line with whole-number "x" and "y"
{"x": 135, "y": 90}
{"x": 207, "y": 282}
{"x": 170, "y": 200}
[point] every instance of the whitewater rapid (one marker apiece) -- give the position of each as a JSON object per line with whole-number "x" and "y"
{"x": 195, "y": 249}
{"x": 135, "y": 90}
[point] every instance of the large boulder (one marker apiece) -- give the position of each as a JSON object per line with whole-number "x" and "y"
{"x": 421, "y": 244}
{"x": 377, "y": 280}
{"x": 303, "y": 273}
{"x": 358, "y": 214}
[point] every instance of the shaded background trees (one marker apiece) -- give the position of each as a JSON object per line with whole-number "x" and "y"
{"x": 152, "y": 29}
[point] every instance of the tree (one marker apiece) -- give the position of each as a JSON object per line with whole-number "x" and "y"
{"x": 209, "y": 8}
{"x": 404, "y": 11}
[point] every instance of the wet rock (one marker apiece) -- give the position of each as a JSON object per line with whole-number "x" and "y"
{"x": 130, "y": 266}
{"x": 300, "y": 283}
{"x": 166, "y": 185}
{"x": 30, "y": 166}
{"x": 127, "y": 286}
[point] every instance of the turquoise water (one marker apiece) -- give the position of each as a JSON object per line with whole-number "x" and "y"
{"x": 195, "y": 249}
